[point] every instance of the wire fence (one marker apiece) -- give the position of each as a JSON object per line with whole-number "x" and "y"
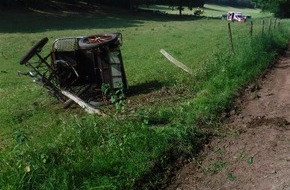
{"x": 272, "y": 25}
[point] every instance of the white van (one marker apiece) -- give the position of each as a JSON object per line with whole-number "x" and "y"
{"x": 236, "y": 16}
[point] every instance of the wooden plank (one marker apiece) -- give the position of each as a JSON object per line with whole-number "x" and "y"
{"x": 175, "y": 62}
{"x": 88, "y": 108}
{"x": 70, "y": 101}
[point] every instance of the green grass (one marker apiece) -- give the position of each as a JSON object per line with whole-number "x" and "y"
{"x": 211, "y": 10}
{"x": 217, "y": 11}
{"x": 46, "y": 147}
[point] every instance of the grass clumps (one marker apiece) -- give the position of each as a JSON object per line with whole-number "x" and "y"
{"x": 91, "y": 153}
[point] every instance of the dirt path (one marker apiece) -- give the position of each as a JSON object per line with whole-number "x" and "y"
{"x": 255, "y": 153}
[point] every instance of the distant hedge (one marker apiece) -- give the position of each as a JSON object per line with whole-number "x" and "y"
{"x": 244, "y": 3}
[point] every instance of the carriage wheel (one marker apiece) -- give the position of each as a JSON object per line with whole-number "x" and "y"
{"x": 97, "y": 40}
{"x": 44, "y": 73}
{"x": 33, "y": 51}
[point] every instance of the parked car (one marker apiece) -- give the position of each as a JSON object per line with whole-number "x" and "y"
{"x": 236, "y": 16}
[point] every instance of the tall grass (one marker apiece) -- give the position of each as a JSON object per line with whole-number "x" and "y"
{"x": 90, "y": 153}
{"x": 47, "y": 148}
{"x": 228, "y": 73}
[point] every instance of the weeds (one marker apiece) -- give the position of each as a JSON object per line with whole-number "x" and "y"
{"x": 116, "y": 96}
{"x": 230, "y": 176}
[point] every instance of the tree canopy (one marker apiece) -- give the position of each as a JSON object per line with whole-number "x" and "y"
{"x": 237, "y": 3}
{"x": 280, "y": 8}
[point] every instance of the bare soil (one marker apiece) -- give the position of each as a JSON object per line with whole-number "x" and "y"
{"x": 253, "y": 151}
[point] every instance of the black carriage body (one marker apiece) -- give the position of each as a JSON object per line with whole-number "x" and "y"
{"x": 79, "y": 66}
{"x": 94, "y": 65}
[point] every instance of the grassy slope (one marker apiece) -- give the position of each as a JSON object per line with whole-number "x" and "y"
{"x": 84, "y": 151}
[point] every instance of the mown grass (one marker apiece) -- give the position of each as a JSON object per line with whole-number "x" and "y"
{"x": 210, "y": 10}
{"x": 46, "y": 147}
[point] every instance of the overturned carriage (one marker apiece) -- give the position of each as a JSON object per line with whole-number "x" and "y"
{"x": 79, "y": 66}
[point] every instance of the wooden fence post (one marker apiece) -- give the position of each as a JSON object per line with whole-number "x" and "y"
{"x": 251, "y": 28}
{"x": 270, "y": 24}
{"x": 231, "y": 37}
{"x": 263, "y": 26}
{"x": 275, "y": 23}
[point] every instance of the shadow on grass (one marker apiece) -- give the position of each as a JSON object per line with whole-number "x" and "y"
{"x": 144, "y": 88}
{"x": 31, "y": 20}
{"x": 165, "y": 167}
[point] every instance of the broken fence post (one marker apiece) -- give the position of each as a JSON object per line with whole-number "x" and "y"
{"x": 175, "y": 62}
{"x": 263, "y": 26}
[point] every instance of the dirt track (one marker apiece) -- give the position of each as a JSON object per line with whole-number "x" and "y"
{"x": 255, "y": 153}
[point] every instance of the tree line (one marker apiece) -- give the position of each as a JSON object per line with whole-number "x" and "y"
{"x": 236, "y": 3}
{"x": 281, "y": 8}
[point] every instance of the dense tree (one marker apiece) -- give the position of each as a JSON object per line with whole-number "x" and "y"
{"x": 237, "y": 3}
{"x": 281, "y": 8}
{"x": 21, "y": 3}
{"x": 180, "y": 4}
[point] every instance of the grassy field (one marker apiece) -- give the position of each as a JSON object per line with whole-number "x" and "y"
{"x": 211, "y": 10}
{"x": 44, "y": 146}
